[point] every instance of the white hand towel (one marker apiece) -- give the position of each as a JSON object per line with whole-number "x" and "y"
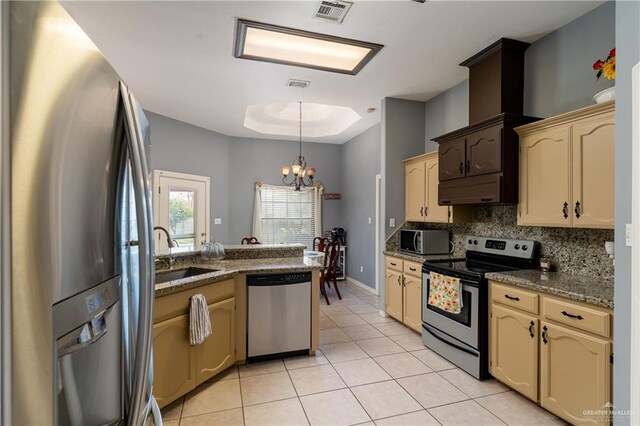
{"x": 199, "y": 321}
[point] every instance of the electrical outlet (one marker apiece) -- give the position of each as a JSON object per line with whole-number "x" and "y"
{"x": 362, "y": 269}
{"x": 392, "y": 222}
{"x": 627, "y": 235}
{"x": 369, "y": 221}
{"x": 217, "y": 221}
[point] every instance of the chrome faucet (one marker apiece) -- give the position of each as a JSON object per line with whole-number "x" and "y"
{"x": 170, "y": 243}
{"x": 169, "y": 240}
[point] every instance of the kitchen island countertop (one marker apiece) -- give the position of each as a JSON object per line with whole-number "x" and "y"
{"x": 225, "y": 269}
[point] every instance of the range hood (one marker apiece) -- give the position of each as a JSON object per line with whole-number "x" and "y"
{"x": 478, "y": 164}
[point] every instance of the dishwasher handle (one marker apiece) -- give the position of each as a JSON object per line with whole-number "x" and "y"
{"x": 279, "y": 279}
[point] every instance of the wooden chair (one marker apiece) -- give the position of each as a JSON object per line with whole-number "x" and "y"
{"x": 330, "y": 271}
{"x": 319, "y": 243}
{"x": 250, "y": 240}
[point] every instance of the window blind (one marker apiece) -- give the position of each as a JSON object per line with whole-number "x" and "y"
{"x": 288, "y": 216}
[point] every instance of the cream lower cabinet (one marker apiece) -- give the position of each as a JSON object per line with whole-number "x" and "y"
{"x": 179, "y": 367}
{"x": 173, "y": 360}
{"x": 393, "y": 294}
{"x": 575, "y": 374}
{"x": 412, "y": 302}
{"x": 217, "y": 353}
{"x": 421, "y": 193}
{"x": 567, "y": 169}
{"x": 403, "y": 292}
{"x": 554, "y": 351}
{"x": 514, "y": 349}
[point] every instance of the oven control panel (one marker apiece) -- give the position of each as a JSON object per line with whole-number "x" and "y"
{"x": 523, "y": 249}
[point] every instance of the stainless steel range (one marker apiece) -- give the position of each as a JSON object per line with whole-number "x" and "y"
{"x": 462, "y": 338}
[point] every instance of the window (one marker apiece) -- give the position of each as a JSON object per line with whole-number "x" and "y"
{"x": 288, "y": 216}
{"x": 181, "y": 205}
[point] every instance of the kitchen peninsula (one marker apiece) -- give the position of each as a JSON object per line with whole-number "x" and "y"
{"x": 180, "y": 367}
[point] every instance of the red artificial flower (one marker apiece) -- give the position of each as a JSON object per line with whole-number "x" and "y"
{"x": 612, "y": 54}
{"x": 598, "y": 64}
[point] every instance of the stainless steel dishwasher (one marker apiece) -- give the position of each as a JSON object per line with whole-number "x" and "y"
{"x": 278, "y": 315}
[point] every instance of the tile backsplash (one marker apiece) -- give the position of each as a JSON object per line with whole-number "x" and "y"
{"x": 574, "y": 250}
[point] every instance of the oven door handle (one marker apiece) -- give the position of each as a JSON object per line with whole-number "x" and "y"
{"x": 460, "y": 348}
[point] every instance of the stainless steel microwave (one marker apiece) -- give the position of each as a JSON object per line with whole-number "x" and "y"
{"x": 424, "y": 242}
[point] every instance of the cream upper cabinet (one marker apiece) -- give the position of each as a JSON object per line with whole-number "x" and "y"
{"x": 593, "y": 172}
{"x": 567, "y": 169}
{"x": 421, "y": 193}
{"x": 545, "y": 178}
{"x": 434, "y": 212}
{"x": 514, "y": 349}
{"x": 575, "y": 374}
{"x": 415, "y": 190}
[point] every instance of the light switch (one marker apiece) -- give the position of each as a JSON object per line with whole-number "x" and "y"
{"x": 217, "y": 221}
{"x": 627, "y": 235}
{"x": 392, "y": 222}
{"x": 369, "y": 221}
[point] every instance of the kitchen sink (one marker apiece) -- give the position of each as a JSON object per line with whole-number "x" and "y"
{"x": 164, "y": 277}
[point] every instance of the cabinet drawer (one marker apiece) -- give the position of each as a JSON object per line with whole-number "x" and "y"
{"x": 413, "y": 268}
{"x": 394, "y": 264}
{"x": 516, "y": 297}
{"x": 577, "y": 316}
{"x": 178, "y": 303}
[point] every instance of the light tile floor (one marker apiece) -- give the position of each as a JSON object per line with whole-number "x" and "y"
{"x": 369, "y": 369}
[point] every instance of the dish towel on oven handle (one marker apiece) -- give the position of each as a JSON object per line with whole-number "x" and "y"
{"x": 199, "y": 321}
{"x": 445, "y": 293}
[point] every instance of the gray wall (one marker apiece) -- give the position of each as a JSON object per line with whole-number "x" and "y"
{"x": 558, "y": 75}
{"x": 360, "y": 165}
{"x": 403, "y": 138}
{"x": 262, "y": 159}
{"x": 234, "y": 165}
{"x": 180, "y": 147}
{"x": 558, "y": 68}
{"x": 445, "y": 113}
{"x": 628, "y": 54}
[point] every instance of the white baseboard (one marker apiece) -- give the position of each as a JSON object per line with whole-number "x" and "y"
{"x": 382, "y": 313}
{"x": 362, "y": 285}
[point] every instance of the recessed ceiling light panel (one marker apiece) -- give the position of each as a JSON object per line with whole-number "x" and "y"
{"x": 288, "y": 46}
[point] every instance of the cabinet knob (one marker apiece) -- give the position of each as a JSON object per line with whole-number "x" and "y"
{"x": 421, "y": 211}
{"x": 565, "y": 210}
{"x": 577, "y": 210}
{"x": 544, "y": 334}
{"x": 531, "y": 324}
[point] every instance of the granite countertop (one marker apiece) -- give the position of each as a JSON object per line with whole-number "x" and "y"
{"x": 417, "y": 257}
{"x": 584, "y": 288}
{"x": 225, "y": 269}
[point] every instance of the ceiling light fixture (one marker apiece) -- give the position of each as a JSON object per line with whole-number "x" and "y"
{"x": 281, "y": 45}
{"x": 302, "y": 176}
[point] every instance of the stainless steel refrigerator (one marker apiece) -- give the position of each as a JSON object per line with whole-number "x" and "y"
{"x": 77, "y": 295}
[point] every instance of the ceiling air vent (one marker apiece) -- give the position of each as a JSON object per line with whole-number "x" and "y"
{"x": 333, "y": 11}
{"x": 300, "y": 84}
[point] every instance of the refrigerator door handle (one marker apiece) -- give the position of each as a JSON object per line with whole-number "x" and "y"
{"x": 155, "y": 412}
{"x": 141, "y": 195}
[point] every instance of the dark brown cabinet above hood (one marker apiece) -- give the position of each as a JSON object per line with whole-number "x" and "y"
{"x": 478, "y": 164}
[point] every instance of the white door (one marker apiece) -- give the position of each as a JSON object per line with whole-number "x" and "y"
{"x": 181, "y": 205}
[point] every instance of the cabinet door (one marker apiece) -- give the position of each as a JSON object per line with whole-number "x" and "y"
{"x": 575, "y": 374}
{"x": 393, "y": 294}
{"x": 415, "y": 191}
{"x": 451, "y": 159}
{"x": 434, "y": 212}
{"x": 173, "y": 360}
{"x": 545, "y": 179}
{"x": 593, "y": 172}
{"x": 484, "y": 152}
{"x": 412, "y": 302}
{"x": 218, "y": 351}
{"x": 514, "y": 350}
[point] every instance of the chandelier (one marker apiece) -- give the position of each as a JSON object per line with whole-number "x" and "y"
{"x": 302, "y": 176}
